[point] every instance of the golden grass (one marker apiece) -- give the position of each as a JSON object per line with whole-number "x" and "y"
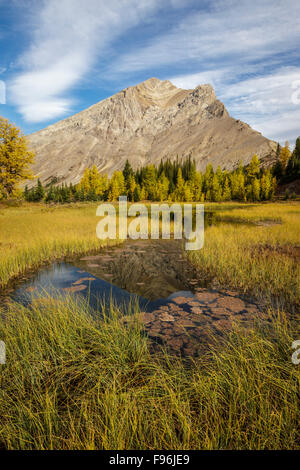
{"x": 33, "y": 234}
{"x": 73, "y": 381}
{"x": 261, "y": 260}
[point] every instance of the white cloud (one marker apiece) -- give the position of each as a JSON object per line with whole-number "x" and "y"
{"x": 36, "y": 92}
{"x": 44, "y": 110}
{"x": 280, "y": 127}
{"x": 267, "y": 102}
{"x": 213, "y": 77}
{"x": 68, "y": 37}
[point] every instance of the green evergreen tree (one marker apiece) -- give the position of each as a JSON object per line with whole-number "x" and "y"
{"x": 137, "y": 193}
{"x": 293, "y": 167}
{"x": 128, "y": 174}
{"x": 277, "y": 168}
{"x": 26, "y": 194}
{"x": 39, "y": 192}
{"x": 179, "y": 193}
{"x": 50, "y": 194}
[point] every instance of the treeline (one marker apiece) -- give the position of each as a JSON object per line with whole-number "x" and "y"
{"x": 177, "y": 181}
{"x": 173, "y": 181}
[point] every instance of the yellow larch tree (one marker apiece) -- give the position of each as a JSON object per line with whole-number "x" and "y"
{"x": 15, "y": 158}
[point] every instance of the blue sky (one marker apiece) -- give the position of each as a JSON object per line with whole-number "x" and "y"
{"x": 57, "y": 57}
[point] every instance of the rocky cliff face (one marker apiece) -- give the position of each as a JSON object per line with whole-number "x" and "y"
{"x": 146, "y": 123}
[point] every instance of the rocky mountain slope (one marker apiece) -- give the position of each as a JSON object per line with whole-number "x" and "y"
{"x": 146, "y": 123}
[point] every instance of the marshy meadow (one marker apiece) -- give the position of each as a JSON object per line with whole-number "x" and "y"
{"x": 80, "y": 378}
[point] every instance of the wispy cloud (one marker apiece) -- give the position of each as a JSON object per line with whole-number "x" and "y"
{"x": 267, "y": 94}
{"x": 214, "y": 77}
{"x": 68, "y": 37}
{"x": 232, "y": 30}
{"x": 269, "y": 103}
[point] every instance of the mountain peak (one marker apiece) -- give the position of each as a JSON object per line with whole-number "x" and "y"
{"x": 153, "y": 81}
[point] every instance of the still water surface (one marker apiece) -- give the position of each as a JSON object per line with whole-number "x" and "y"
{"x": 146, "y": 273}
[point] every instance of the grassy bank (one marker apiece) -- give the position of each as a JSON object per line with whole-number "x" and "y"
{"x": 74, "y": 382}
{"x": 254, "y": 249}
{"x": 33, "y": 234}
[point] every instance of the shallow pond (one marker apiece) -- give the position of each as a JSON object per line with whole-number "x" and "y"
{"x": 179, "y": 311}
{"x": 144, "y": 272}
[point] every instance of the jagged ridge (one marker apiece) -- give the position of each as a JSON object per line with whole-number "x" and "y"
{"x": 145, "y": 123}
